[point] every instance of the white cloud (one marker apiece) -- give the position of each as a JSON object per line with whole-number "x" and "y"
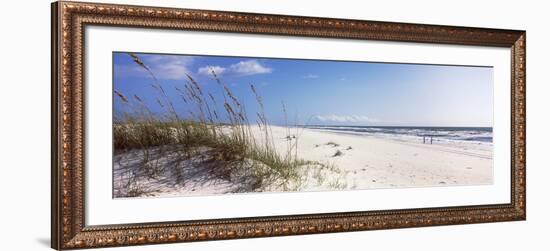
{"x": 311, "y": 76}
{"x": 250, "y": 67}
{"x": 163, "y": 66}
{"x": 243, "y": 68}
{"x": 345, "y": 118}
{"x": 207, "y": 70}
{"x": 171, "y": 67}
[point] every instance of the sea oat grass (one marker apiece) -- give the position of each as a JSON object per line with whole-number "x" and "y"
{"x": 229, "y": 140}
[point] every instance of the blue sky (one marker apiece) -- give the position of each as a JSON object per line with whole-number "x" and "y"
{"x": 321, "y": 92}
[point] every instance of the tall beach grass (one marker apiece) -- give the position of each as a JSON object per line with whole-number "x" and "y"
{"x": 215, "y": 126}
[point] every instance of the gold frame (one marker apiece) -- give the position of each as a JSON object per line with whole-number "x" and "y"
{"x": 68, "y": 22}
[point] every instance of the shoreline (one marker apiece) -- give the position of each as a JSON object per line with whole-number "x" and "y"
{"x": 394, "y": 161}
{"x": 364, "y": 162}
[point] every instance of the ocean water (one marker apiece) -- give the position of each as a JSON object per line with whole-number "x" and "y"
{"x": 463, "y": 134}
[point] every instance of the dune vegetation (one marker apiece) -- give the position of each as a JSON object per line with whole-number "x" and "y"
{"x": 214, "y": 134}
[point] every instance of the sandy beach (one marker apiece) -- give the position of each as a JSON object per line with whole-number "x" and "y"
{"x": 382, "y": 162}
{"x": 361, "y": 162}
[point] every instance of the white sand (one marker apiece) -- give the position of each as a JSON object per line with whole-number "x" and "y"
{"x": 376, "y": 162}
{"x": 367, "y": 162}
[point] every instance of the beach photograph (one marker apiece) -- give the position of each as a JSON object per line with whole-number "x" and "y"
{"x": 199, "y": 125}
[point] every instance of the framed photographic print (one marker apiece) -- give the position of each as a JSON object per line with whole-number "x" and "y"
{"x": 177, "y": 125}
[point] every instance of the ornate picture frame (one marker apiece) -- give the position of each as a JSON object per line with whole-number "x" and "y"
{"x": 69, "y": 230}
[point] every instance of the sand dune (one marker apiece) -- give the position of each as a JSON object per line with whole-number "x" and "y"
{"x": 363, "y": 162}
